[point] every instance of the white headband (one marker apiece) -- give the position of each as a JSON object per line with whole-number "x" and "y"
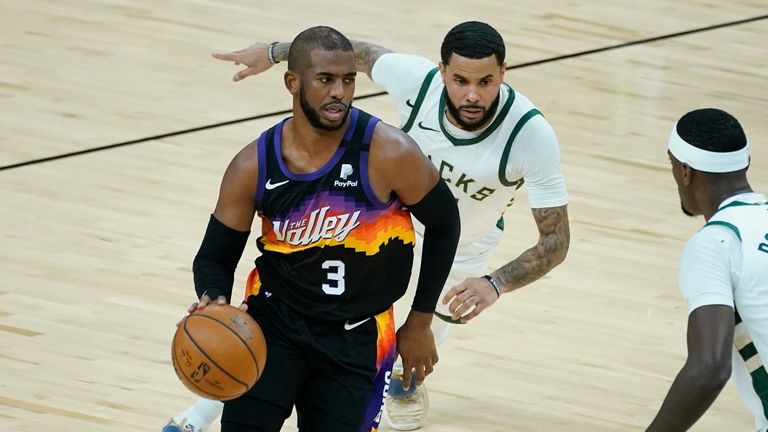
{"x": 704, "y": 160}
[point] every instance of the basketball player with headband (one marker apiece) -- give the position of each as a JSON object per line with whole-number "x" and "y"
{"x": 723, "y": 272}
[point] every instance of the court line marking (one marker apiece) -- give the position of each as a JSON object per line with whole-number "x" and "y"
{"x": 377, "y": 94}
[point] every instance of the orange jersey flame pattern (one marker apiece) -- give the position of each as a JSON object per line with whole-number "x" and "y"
{"x": 363, "y": 231}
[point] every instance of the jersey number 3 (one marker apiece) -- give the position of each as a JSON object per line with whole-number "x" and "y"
{"x": 336, "y": 273}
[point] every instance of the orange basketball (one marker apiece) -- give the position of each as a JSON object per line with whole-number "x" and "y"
{"x": 219, "y": 352}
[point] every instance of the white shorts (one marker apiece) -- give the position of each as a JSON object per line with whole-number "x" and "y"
{"x": 471, "y": 261}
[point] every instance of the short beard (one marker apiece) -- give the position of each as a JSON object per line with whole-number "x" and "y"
{"x": 685, "y": 211}
{"x": 471, "y": 127}
{"x": 314, "y": 117}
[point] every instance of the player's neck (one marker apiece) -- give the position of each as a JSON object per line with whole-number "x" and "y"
{"x": 306, "y": 148}
{"x": 721, "y": 192}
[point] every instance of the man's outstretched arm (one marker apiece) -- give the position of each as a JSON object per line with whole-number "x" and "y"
{"x": 256, "y": 57}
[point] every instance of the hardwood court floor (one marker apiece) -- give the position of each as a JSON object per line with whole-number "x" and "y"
{"x": 96, "y": 249}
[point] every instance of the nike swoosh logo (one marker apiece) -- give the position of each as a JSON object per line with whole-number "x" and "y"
{"x": 421, "y": 126}
{"x": 269, "y": 185}
{"x": 409, "y": 103}
{"x": 348, "y": 326}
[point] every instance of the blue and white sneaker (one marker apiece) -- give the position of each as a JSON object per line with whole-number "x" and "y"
{"x": 405, "y": 409}
{"x": 183, "y": 426}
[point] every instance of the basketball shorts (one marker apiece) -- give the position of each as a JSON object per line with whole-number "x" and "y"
{"x": 334, "y": 373}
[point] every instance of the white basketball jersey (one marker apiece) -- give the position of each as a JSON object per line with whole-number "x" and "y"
{"x": 749, "y": 221}
{"x": 477, "y": 167}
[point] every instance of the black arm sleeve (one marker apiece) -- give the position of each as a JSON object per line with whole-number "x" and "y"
{"x": 215, "y": 263}
{"x": 440, "y": 216}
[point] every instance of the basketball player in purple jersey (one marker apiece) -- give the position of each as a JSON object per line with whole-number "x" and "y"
{"x": 335, "y": 189}
{"x": 487, "y": 140}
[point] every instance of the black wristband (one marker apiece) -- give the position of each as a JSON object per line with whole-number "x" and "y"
{"x": 495, "y": 284}
{"x": 271, "y": 53}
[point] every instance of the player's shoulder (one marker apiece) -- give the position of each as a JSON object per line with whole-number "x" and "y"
{"x": 389, "y": 143}
{"x": 522, "y": 106}
{"x": 713, "y": 237}
{"x": 717, "y": 230}
{"x": 249, "y": 154}
{"x": 390, "y": 61}
{"x": 246, "y": 161}
{"x": 533, "y": 134}
{"x": 391, "y": 148}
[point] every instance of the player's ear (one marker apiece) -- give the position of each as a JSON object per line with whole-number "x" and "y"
{"x": 442, "y": 70}
{"x": 686, "y": 172}
{"x": 292, "y": 82}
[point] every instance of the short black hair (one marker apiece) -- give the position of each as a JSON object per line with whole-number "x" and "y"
{"x": 475, "y": 40}
{"x": 712, "y": 129}
{"x": 320, "y": 37}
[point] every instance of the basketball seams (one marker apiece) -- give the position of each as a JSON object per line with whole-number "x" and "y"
{"x": 245, "y": 344}
{"x": 191, "y": 339}
{"x": 222, "y": 355}
{"x": 179, "y": 370}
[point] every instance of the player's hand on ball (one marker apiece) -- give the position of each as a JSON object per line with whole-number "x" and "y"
{"x": 205, "y": 301}
{"x": 469, "y": 298}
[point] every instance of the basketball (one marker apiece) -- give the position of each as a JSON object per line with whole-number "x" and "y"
{"x": 219, "y": 352}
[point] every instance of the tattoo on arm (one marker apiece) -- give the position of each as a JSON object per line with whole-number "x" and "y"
{"x": 366, "y": 55}
{"x": 280, "y": 51}
{"x": 554, "y": 238}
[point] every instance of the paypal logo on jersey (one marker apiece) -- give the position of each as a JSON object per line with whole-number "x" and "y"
{"x": 346, "y": 171}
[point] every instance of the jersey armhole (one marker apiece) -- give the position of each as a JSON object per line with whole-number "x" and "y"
{"x": 261, "y": 150}
{"x": 508, "y": 148}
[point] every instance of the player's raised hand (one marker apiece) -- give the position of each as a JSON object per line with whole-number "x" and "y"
{"x": 254, "y": 57}
{"x": 467, "y": 299}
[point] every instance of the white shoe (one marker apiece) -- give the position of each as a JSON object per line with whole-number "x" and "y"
{"x": 405, "y": 410}
{"x": 182, "y": 426}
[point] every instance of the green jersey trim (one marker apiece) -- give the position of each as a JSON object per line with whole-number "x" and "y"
{"x": 759, "y": 375}
{"x": 487, "y": 132}
{"x": 508, "y": 147}
{"x": 419, "y": 99}
{"x": 739, "y": 204}
{"x": 728, "y": 225}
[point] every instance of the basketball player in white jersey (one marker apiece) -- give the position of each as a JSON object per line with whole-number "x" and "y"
{"x": 486, "y": 139}
{"x": 723, "y": 271}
